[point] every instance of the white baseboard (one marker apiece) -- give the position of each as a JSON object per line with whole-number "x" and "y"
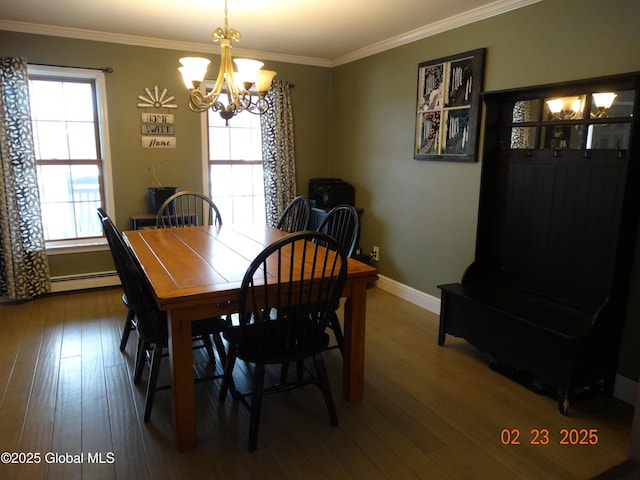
{"x": 410, "y": 294}
{"x": 67, "y": 283}
{"x": 625, "y": 389}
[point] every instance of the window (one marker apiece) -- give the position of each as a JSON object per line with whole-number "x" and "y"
{"x": 69, "y": 121}
{"x": 573, "y": 122}
{"x": 234, "y": 167}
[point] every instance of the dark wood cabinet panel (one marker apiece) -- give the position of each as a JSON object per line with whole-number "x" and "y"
{"x": 546, "y": 293}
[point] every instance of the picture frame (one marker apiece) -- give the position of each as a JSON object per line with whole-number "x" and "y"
{"x": 448, "y": 107}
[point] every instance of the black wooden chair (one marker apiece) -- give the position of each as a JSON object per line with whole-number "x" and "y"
{"x": 286, "y": 321}
{"x": 129, "y": 322}
{"x": 151, "y": 323}
{"x": 186, "y": 209}
{"x": 295, "y": 216}
{"x": 343, "y": 224}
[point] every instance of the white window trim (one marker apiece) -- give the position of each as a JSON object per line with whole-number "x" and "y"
{"x": 98, "y": 243}
{"x": 204, "y": 137}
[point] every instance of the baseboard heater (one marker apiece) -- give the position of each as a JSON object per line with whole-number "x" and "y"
{"x": 67, "y": 283}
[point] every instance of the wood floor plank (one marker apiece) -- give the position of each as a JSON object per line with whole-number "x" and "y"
{"x": 428, "y": 411}
{"x": 67, "y": 428}
{"x": 96, "y": 446}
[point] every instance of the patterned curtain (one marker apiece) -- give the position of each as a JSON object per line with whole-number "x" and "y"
{"x": 24, "y": 271}
{"x": 278, "y": 151}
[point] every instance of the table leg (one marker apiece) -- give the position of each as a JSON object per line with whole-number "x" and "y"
{"x": 182, "y": 391}
{"x": 354, "y": 328}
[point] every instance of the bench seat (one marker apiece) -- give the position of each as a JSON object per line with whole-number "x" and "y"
{"x": 557, "y": 344}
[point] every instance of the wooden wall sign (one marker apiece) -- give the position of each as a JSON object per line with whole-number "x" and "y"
{"x": 157, "y": 129}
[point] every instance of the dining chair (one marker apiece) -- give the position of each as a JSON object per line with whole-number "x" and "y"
{"x": 187, "y": 209}
{"x": 129, "y": 322}
{"x": 343, "y": 224}
{"x": 286, "y": 321}
{"x": 296, "y": 215}
{"x": 151, "y": 323}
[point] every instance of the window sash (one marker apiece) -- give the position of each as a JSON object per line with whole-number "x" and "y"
{"x": 84, "y": 173}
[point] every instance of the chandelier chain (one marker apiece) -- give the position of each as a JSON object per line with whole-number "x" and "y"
{"x": 226, "y": 19}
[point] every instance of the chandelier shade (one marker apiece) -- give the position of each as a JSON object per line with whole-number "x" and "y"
{"x": 234, "y": 91}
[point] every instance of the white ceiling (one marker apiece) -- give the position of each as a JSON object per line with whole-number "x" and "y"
{"x": 324, "y": 32}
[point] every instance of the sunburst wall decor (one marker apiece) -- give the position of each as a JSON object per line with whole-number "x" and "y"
{"x": 156, "y": 99}
{"x": 158, "y": 130}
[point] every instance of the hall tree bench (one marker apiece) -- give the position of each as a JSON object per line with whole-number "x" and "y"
{"x": 545, "y": 295}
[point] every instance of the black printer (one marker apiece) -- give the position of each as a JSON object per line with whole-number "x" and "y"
{"x": 330, "y": 192}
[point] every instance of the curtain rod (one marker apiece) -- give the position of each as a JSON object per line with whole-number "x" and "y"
{"x": 102, "y": 69}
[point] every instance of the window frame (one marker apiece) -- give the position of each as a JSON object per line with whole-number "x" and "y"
{"x": 90, "y": 244}
{"x": 206, "y": 154}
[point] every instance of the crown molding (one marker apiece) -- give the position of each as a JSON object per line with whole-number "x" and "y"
{"x": 477, "y": 14}
{"x": 496, "y": 8}
{"x": 82, "y": 34}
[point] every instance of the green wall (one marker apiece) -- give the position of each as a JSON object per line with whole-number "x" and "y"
{"x": 135, "y": 68}
{"x": 423, "y": 214}
{"x": 356, "y": 121}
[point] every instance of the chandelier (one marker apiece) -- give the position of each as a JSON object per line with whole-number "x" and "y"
{"x": 233, "y": 91}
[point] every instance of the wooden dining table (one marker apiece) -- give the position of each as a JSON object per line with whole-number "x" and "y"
{"x": 196, "y": 272}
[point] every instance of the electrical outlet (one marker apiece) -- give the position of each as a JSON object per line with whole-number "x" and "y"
{"x": 375, "y": 253}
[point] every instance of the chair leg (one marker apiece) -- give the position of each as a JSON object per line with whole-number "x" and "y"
{"x": 227, "y": 379}
{"x": 156, "y": 356}
{"x": 299, "y": 370}
{"x": 326, "y": 389}
{"x": 222, "y": 352}
{"x": 284, "y": 372}
{"x": 206, "y": 340}
{"x": 256, "y": 406}
{"x": 128, "y": 326}
{"x": 334, "y": 323}
{"x": 141, "y": 353}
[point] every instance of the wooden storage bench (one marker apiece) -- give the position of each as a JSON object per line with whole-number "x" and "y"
{"x": 559, "y": 345}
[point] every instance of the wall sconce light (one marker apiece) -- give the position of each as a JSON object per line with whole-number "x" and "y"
{"x": 566, "y": 108}
{"x": 603, "y": 102}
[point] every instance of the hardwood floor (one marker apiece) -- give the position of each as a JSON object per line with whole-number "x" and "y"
{"x": 428, "y": 411}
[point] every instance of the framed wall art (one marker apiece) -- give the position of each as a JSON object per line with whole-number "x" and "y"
{"x": 448, "y": 107}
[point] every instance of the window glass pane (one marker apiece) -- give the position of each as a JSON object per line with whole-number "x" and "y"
{"x": 246, "y": 144}
{"x": 259, "y": 211}
{"x": 70, "y": 195}
{"x": 58, "y": 221}
{"x": 612, "y": 104}
{"x": 82, "y": 141}
{"x": 78, "y": 101}
{"x": 66, "y": 130}
{"x": 55, "y": 183}
{"x": 525, "y": 111}
{"x": 561, "y": 136}
{"x": 258, "y": 179}
{"x": 214, "y": 119}
{"x": 241, "y": 179}
{"x": 611, "y": 135}
{"x": 523, "y": 137}
{"x": 243, "y": 209}
{"x": 225, "y": 205}
{"x": 85, "y": 183}
{"x": 564, "y": 108}
{"x": 219, "y": 144}
{"x": 47, "y": 100}
{"x": 52, "y": 140}
{"x": 219, "y": 180}
{"x": 235, "y": 186}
